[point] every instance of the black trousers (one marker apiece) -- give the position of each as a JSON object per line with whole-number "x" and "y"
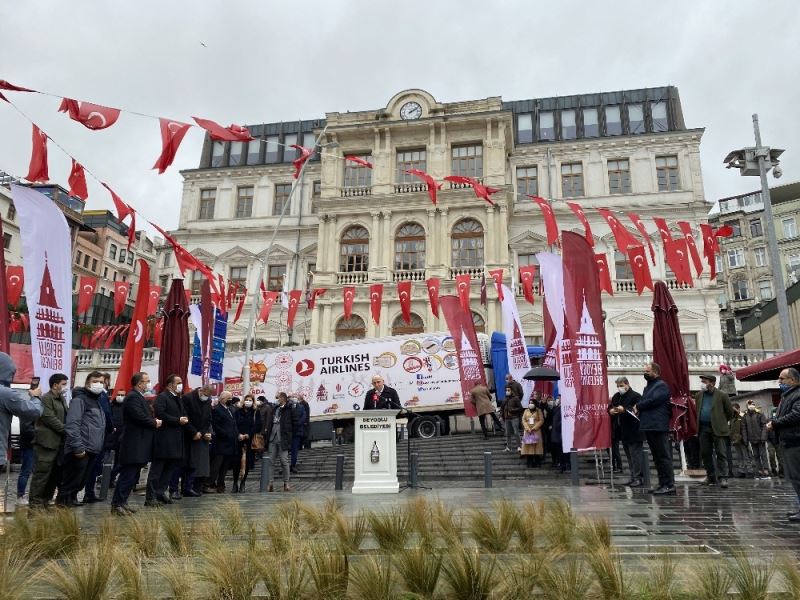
{"x": 498, "y": 426}
{"x": 74, "y": 472}
{"x": 46, "y": 475}
{"x": 161, "y": 470}
{"x": 714, "y": 452}
{"x": 661, "y": 449}
{"x": 126, "y": 481}
{"x": 616, "y": 458}
{"x": 790, "y": 458}
{"x": 634, "y": 452}
{"x": 219, "y": 468}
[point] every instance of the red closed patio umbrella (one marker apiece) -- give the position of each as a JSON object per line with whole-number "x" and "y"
{"x": 174, "y": 356}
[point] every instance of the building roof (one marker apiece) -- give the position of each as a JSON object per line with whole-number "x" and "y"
{"x": 770, "y": 309}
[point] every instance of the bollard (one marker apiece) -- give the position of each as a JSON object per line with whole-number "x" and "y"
{"x": 266, "y": 471}
{"x": 487, "y": 469}
{"x": 646, "y": 470}
{"x": 339, "y": 471}
{"x": 105, "y": 478}
{"x": 573, "y": 466}
{"x": 413, "y": 470}
{"x": 438, "y": 427}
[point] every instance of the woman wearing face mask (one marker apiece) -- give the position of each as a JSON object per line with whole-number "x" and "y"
{"x": 532, "y": 444}
{"x": 112, "y": 441}
{"x": 248, "y": 421}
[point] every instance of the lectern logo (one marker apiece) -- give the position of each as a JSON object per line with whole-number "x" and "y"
{"x": 375, "y": 455}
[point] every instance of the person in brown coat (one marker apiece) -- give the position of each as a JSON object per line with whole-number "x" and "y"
{"x": 511, "y": 411}
{"x": 532, "y": 444}
{"x": 481, "y": 398}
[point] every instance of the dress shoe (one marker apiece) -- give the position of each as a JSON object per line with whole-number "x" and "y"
{"x": 630, "y": 481}
{"x": 723, "y": 483}
{"x": 164, "y": 499}
{"x": 270, "y": 488}
{"x": 220, "y": 489}
{"x": 129, "y": 509}
{"x": 241, "y": 488}
{"x": 636, "y": 483}
{"x": 191, "y": 494}
{"x": 667, "y": 489}
{"x": 795, "y": 518}
{"x": 708, "y": 481}
{"x": 286, "y": 487}
{"x": 153, "y": 504}
{"x": 293, "y": 470}
{"x": 91, "y": 499}
{"x": 119, "y": 511}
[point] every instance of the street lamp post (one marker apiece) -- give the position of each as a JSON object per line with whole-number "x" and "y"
{"x": 757, "y": 161}
{"x": 757, "y": 313}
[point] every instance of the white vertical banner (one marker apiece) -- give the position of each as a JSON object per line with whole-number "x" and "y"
{"x": 519, "y": 363}
{"x": 47, "y": 261}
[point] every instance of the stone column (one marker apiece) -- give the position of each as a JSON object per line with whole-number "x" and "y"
{"x": 444, "y": 239}
{"x": 387, "y": 246}
{"x": 325, "y": 333}
{"x": 374, "y": 242}
{"x": 431, "y": 254}
{"x": 489, "y": 238}
{"x": 333, "y": 246}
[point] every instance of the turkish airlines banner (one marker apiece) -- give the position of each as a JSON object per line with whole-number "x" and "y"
{"x": 46, "y": 257}
{"x": 470, "y": 363}
{"x": 519, "y": 363}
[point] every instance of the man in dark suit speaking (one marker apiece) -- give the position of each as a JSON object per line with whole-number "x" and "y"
{"x": 381, "y": 396}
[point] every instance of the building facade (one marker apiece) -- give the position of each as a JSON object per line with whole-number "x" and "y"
{"x": 351, "y": 225}
{"x": 12, "y": 243}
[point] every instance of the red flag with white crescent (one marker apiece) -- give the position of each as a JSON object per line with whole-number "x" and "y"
{"x": 483, "y": 289}
{"x": 404, "y": 293}
{"x": 121, "y": 289}
{"x": 433, "y": 294}
{"x": 239, "y": 308}
{"x": 222, "y": 298}
{"x": 663, "y": 229}
{"x": 375, "y": 299}
{"x": 88, "y": 285}
{"x": 710, "y": 247}
{"x": 232, "y": 133}
{"x": 430, "y": 182}
{"x": 294, "y": 303}
{"x": 266, "y": 308}
{"x": 5, "y": 85}
{"x": 497, "y": 277}
{"x": 91, "y": 116}
{"x": 77, "y": 181}
{"x": 315, "y": 293}
{"x": 640, "y": 268}
{"x": 232, "y": 291}
{"x": 637, "y": 222}
{"x": 15, "y": 280}
{"x": 158, "y": 332}
{"x": 549, "y": 218}
{"x": 622, "y": 237}
{"x": 37, "y": 170}
{"x": 134, "y": 345}
{"x": 348, "y": 295}
{"x": 359, "y": 161}
{"x": 463, "y": 283}
{"x": 587, "y": 229}
{"x": 305, "y": 154}
{"x": 604, "y": 274}
{"x": 172, "y": 134}
{"x": 481, "y": 191}
{"x": 98, "y": 335}
{"x": 112, "y": 334}
{"x": 676, "y": 254}
{"x": 526, "y": 276}
{"x": 152, "y": 299}
{"x": 686, "y": 230}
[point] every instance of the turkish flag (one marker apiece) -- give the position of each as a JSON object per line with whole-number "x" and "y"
{"x": 294, "y": 302}
{"x": 433, "y": 294}
{"x": 526, "y": 276}
{"x": 305, "y": 154}
{"x": 97, "y": 335}
{"x": 232, "y": 291}
{"x": 375, "y": 298}
{"x": 463, "y": 283}
{"x": 686, "y": 230}
{"x": 358, "y": 161}
{"x": 710, "y": 247}
{"x": 88, "y": 285}
{"x": 113, "y": 333}
{"x": 404, "y": 293}
{"x": 152, "y": 299}
{"x": 184, "y": 259}
{"x": 549, "y": 219}
{"x": 172, "y": 133}
{"x": 37, "y": 170}
{"x": 497, "y": 277}
{"x": 433, "y": 187}
{"x": 222, "y": 303}
{"x": 26, "y": 321}
{"x": 312, "y": 299}
{"x": 232, "y": 133}
{"x": 15, "y": 280}
{"x": 239, "y": 308}
{"x": 77, "y": 181}
{"x": 602, "y": 271}
{"x": 677, "y": 256}
{"x": 134, "y": 345}
{"x": 121, "y": 289}
{"x": 623, "y": 238}
{"x": 637, "y": 222}
{"x": 483, "y": 289}
{"x": 5, "y": 85}
{"x": 663, "y": 229}
{"x": 91, "y": 116}
{"x": 266, "y": 308}
{"x": 587, "y": 230}
{"x": 158, "y": 332}
{"x": 124, "y": 210}
{"x": 481, "y": 191}
{"x": 349, "y": 294}
{"x": 640, "y": 268}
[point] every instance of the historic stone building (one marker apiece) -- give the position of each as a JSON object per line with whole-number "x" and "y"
{"x": 352, "y": 225}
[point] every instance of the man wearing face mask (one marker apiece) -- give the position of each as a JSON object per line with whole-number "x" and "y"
{"x": 786, "y": 424}
{"x": 112, "y": 442}
{"x": 24, "y": 404}
{"x": 84, "y": 432}
{"x": 627, "y": 429}
{"x": 754, "y": 434}
{"x": 197, "y": 438}
{"x": 224, "y": 444}
{"x": 168, "y": 442}
{"x": 278, "y": 435}
{"x": 48, "y": 442}
{"x": 95, "y": 468}
{"x": 714, "y": 412}
{"x": 654, "y": 412}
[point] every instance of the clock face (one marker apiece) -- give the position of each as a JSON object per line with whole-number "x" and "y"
{"x": 410, "y": 110}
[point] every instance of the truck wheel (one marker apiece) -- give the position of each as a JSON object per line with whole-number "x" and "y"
{"x": 425, "y": 427}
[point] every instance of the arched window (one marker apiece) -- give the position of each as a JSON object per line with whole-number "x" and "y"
{"x": 466, "y": 243}
{"x": 480, "y": 324}
{"x": 409, "y": 248}
{"x": 354, "y": 251}
{"x": 353, "y": 328}
{"x": 622, "y": 266}
{"x": 400, "y": 327}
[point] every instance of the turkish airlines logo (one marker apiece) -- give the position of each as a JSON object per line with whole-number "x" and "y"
{"x": 305, "y": 367}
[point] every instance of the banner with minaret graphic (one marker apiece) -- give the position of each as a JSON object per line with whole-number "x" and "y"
{"x": 46, "y": 258}
{"x": 519, "y": 363}
{"x": 470, "y": 364}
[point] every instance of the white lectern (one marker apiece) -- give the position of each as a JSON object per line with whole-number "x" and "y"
{"x": 376, "y": 452}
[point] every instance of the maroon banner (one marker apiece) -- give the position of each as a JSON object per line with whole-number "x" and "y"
{"x": 584, "y": 321}
{"x": 470, "y": 364}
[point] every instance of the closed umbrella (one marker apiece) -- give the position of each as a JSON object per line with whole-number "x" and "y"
{"x": 174, "y": 356}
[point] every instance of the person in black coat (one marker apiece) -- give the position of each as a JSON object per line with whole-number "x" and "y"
{"x": 654, "y": 412}
{"x": 197, "y": 435}
{"x": 223, "y": 444}
{"x": 786, "y": 423}
{"x": 112, "y": 441}
{"x": 248, "y": 422}
{"x": 381, "y": 396}
{"x": 626, "y": 429}
{"x": 278, "y": 436}
{"x": 168, "y": 441}
{"x": 136, "y": 443}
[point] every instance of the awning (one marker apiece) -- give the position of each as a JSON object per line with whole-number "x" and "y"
{"x": 769, "y": 369}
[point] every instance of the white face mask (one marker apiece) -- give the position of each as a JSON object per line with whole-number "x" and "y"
{"x": 203, "y": 398}
{"x": 622, "y": 390}
{"x": 179, "y": 388}
{"x": 248, "y": 403}
{"x": 120, "y": 399}
{"x": 96, "y": 388}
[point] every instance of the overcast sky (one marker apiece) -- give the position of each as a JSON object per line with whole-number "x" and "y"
{"x": 266, "y": 61}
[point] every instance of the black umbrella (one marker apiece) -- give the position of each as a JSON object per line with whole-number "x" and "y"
{"x": 542, "y": 374}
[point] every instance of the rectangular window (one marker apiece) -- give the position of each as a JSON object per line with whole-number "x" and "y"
{"x": 467, "y": 161}
{"x": 309, "y": 140}
{"x": 636, "y": 118}
{"x": 736, "y": 226}
{"x": 526, "y": 260}
{"x": 122, "y": 256}
{"x": 254, "y": 152}
{"x": 244, "y": 202}
{"x": 789, "y": 228}
{"x": 196, "y": 283}
{"x": 94, "y": 265}
{"x": 793, "y": 264}
{"x": 741, "y": 290}
{"x": 571, "y": 180}
{"x": 667, "y": 173}
{"x": 207, "y": 201}
{"x": 112, "y": 251}
{"x": 658, "y": 110}
{"x": 357, "y": 176}
{"x": 237, "y": 275}
{"x": 289, "y": 153}
{"x": 524, "y": 128}
{"x": 527, "y": 182}
{"x": 406, "y": 160}
{"x": 316, "y": 193}
{"x": 591, "y": 126}
{"x": 765, "y": 290}
{"x": 275, "y": 275}
{"x": 163, "y": 281}
{"x": 755, "y": 228}
{"x": 622, "y": 266}
{"x": 547, "y": 126}
{"x": 105, "y": 272}
{"x": 613, "y": 121}
{"x": 12, "y": 212}
{"x": 736, "y": 258}
{"x": 619, "y": 177}
{"x": 130, "y": 258}
{"x": 569, "y": 130}
{"x": 74, "y": 282}
{"x": 272, "y": 153}
{"x": 78, "y": 254}
{"x": 86, "y": 261}
{"x": 760, "y": 254}
{"x": 167, "y": 258}
{"x": 282, "y": 193}
{"x": 632, "y": 343}
{"x": 236, "y": 154}
{"x": 689, "y": 341}
{"x": 217, "y": 153}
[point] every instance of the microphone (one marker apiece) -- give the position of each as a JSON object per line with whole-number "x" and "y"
{"x": 375, "y": 398}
